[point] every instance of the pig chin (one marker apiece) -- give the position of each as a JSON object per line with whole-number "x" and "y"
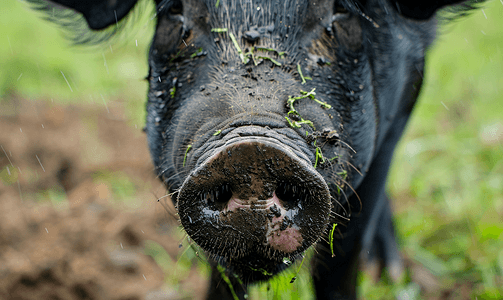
{"x": 252, "y": 203}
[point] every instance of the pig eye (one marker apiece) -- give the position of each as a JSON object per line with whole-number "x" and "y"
{"x": 340, "y": 13}
{"x": 176, "y": 8}
{"x": 171, "y": 7}
{"x": 340, "y": 10}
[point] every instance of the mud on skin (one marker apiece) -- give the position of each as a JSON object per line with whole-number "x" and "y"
{"x": 272, "y": 120}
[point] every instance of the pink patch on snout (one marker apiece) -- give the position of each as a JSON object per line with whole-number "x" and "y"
{"x": 235, "y": 203}
{"x": 287, "y": 240}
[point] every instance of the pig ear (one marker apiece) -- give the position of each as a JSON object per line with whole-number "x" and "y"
{"x": 99, "y": 14}
{"x": 423, "y": 10}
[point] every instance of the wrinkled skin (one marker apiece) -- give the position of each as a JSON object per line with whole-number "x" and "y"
{"x": 259, "y": 169}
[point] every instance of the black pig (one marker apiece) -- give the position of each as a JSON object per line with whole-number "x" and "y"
{"x": 272, "y": 121}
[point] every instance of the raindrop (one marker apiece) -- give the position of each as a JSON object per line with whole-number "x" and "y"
{"x": 10, "y": 46}
{"x": 40, "y": 163}
{"x": 66, "y": 81}
{"x": 104, "y": 102}
{"x": 105, "y": 62}
{"x": 5, "y": 152}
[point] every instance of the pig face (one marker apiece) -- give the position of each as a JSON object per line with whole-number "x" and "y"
{"x": 271, "y": 121}
{"x": 261, "y": 159}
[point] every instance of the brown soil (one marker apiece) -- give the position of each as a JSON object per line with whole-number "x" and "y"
{"x": 87, "y": 246}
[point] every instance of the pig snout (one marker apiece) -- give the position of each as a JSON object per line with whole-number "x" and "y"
{"x": 254, "y": 201}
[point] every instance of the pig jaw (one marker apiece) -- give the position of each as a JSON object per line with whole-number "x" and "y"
{"x": 253, "y": 203}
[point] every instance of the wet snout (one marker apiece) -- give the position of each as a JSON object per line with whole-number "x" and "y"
{"x": 254, "y": 199}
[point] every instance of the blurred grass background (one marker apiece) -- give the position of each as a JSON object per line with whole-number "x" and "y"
{"x": 447, "y": 178}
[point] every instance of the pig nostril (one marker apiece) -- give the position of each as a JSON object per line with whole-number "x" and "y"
{"x": 218, "y": 196}
{"x": 289, "y": 193}
{"x": 223, "y": 194}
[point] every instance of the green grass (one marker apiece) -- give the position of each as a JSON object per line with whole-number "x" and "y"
{"x": 447, "y": 177}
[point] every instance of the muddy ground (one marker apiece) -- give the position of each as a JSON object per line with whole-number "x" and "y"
{"x": 86, "y": 245}
{"x": 80, "y": 242}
